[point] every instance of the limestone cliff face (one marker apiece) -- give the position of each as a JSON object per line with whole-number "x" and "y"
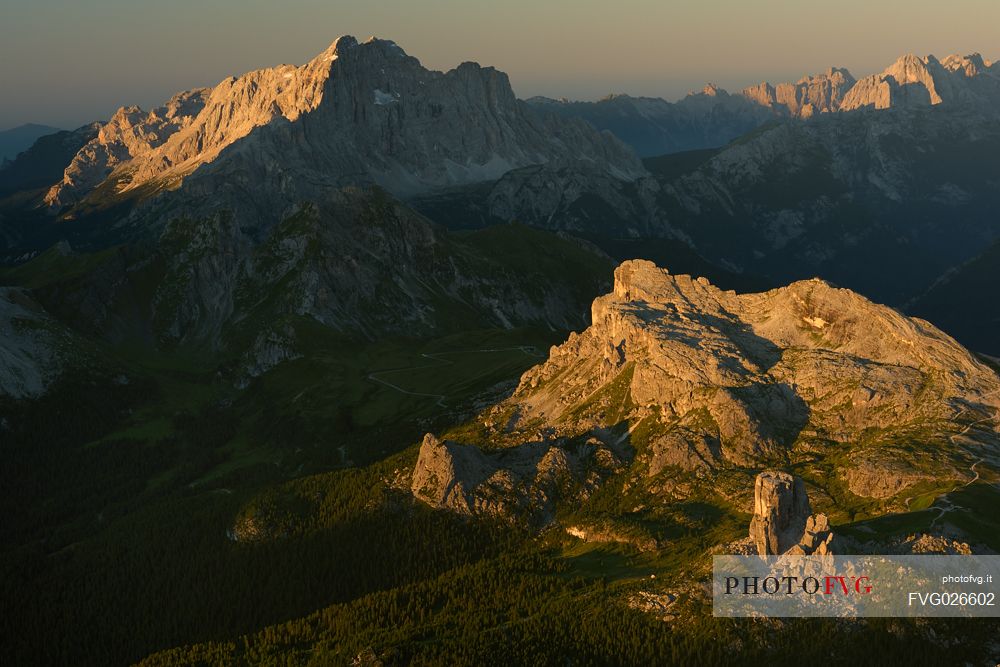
{"x": 783, "y": 522}
{"x": 810, "y": 95}
{"x": 355, "y": 114}
{"x": 130, "y": 135}
{"x": 679, "y": 379}
{"x": 913, "y": 81}
{"x": 739, "y": 378}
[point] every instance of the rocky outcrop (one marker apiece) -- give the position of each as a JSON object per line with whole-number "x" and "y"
{"x": 817, "y": 538}
{"x": 923, "y": 543}
{"x": 783, "y": 522}
{"x": 607, "y": 532}
{"x": 723, "y": 377}
{"x": 677, "y": 382}
{"x": 660, "y": 605}
{"x": 522, "y": 482}
{"x": 355, "y": 114}
{"x": 780, "y": 511}
{"x": 884, "y": 479}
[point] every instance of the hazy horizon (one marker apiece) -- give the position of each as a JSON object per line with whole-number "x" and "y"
{"x": 77, "y": 64}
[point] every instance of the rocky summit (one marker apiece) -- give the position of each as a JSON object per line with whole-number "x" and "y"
{"x": 687, "y": 379}
{"x": 738, "y": 378}
{"x": 968, "y": 81}
{"x": 810, "y": 95}
{"x": 357, "y": 113}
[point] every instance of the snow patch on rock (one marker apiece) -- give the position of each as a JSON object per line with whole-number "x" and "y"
{"x": 383, "y": 98}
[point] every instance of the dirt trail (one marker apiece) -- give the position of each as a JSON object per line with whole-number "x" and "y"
{"x": 943, "y": 503}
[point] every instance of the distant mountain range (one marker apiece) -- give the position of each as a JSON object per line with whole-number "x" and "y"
{"x": 886, "y": 189}
{"x": 713, "y": 117}
{"x": 653, "y": 126}
{"x": 356, "y": 114}
{"x": 20, "y": 138}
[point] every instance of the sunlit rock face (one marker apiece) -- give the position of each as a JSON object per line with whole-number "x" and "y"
{"x": 678, "y": 380}
{"x": 821, "y": 93}
{"x": 737, "y": 378}
{"x": 957, "y": 80}
{"x": 356, "y": 113}
{"x": 783, "y": 522}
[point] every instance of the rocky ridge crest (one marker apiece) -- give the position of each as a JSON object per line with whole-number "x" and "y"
{"x": 357, "y": 113}
{"x": 681, "y": 378}
{"x": 914, "y": 81}
{"x": 740, "y": 377}
{"x": 821, "y": 93}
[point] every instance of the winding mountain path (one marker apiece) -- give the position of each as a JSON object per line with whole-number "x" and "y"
{"x": 944, "y": 503}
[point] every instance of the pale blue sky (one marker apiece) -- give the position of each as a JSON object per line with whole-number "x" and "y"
{"x": 65, "y": 62}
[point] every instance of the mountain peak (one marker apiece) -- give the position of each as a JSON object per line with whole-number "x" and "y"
{"x": 343, "y": 42}
{"x": 698, "y": 379}
{"x": 375, "y": 115}
{"x": 336, "y": 49}
{"x": 970, "y": 65}
{"x": 386, "y": 47}
{"x": 840, "y": 71}
{"x": 816, "y": 93}
{"x": 909, "y": 65}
